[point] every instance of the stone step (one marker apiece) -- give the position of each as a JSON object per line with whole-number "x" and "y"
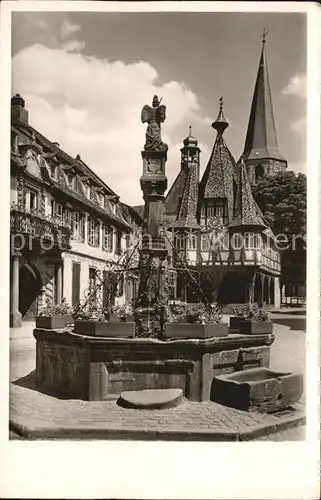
{"x": 151, "y": 398}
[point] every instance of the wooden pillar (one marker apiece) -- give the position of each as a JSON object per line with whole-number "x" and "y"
{"x": 15, "y": 315}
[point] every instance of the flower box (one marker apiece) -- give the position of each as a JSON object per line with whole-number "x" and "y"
{"x": 249, "y": 327}
{"x": 53, "y": 322}
{"x": 195, "y": 330}
{"x": 125, "y": 329}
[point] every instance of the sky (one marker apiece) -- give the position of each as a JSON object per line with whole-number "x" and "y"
{"x": 85, "y": 77}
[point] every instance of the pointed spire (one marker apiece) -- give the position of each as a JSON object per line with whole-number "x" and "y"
{"x": 261, "y": 139}
{"x": 220, "y": 123}
{"x": 187, "y": 211}
{"x": 246, "y": 211}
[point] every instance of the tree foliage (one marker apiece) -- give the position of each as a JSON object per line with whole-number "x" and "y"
{"x": 283, "y": 201}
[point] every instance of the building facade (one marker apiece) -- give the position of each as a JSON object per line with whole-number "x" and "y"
{"x": 69, "y": 230}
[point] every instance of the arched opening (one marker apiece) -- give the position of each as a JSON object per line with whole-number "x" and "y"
{"x": 29, "y": 290}
{"x": 258, "y": 289}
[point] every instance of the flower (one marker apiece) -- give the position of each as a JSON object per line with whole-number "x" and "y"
{"x": 52, "y": 309}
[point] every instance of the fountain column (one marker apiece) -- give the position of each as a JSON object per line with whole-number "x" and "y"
{"x": 152, "y": 293}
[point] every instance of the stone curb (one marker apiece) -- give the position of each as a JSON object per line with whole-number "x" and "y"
{"x": 42, "y": 431}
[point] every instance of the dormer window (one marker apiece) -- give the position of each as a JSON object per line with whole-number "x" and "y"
{"x": 102, "y": 199}
{"x": 70, "y": 180}
{"x": 53, "y": 171}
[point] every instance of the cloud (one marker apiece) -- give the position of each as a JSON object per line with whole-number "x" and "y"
{"x": 299, "y": 126}
{"x": 92, "y": 107}
{"x": 68, "y": 29}
{"x": 296, "y": 86}
{"x": 73, "y": 46}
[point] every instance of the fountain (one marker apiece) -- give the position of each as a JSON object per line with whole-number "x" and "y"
{"x": 96, "y": 367}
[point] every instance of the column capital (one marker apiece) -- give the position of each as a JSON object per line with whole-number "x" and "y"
{"x": 16, "y": 255}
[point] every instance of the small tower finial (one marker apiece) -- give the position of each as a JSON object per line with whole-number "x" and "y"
{"x": 220, "y": 123}
{"x": 190, "y": 130}
{"x": 264, "y": 33}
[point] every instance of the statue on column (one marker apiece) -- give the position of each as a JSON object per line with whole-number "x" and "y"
{"x": 154, "y": 116}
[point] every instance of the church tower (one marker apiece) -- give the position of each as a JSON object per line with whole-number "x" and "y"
{"x": 261, "y": 151}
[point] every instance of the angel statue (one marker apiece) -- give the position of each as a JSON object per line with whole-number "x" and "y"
{"x": 154, "y": 117}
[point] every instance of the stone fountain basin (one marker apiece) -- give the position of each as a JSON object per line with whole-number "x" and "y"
{"x": 258, "y": 389}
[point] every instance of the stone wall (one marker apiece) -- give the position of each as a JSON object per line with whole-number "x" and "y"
{"x": 95, "y": 368}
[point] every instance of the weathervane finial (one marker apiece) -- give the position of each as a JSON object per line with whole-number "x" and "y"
{"x": 264, "y": 33}
{"x": 190, "y": 130}
{"x": 221, "y": 100}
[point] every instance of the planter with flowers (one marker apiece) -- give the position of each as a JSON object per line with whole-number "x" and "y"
{"x": 54, "y": 316}
{"x": 194, "y": 321}
{"x": 251, "y": 320}
{"x": 104, "y": 323}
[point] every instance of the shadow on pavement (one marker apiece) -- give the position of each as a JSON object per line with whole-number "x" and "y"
{"x": 29, "y": 382}
{"x": 292, "y": 323}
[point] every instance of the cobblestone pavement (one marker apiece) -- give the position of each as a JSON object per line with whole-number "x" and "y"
{"x": 36, "y": 410}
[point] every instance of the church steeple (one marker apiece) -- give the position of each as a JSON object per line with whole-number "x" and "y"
{"x": 261, "y": 151}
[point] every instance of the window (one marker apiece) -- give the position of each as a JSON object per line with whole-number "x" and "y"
{"x": 33, "y": 199}
{"x": 205, "y": 242}
{"x": 102, "y": 199}
{"x": 192, "y": 242}
{"x": 76, "y": 226}
{"x": 219, "y": 210}
{"x": 86, "y": 189}
{"x": 237, "y": 241}
{"x": 53, "y": 171}
{"x": 70, "y": 180}
{"x": 257, "y": 241}
{"x": 180, "y": 242}
{"x": 67, "y": 217}
{"x": 210, "y": 211}
{"x": 58, "y": 210}
{"x": 93, "y": 232}
{"x": 108, "y": 238}
{"x": 113, "y": 207}
{"x": 118, "y": 242}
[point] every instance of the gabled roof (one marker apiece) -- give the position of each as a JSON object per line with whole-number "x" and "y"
{"x": 247, "y": 213}
{"x": 187, "y": 211}
{"x": 31, "y": 137}
{"x": 261, "y": 139}
{"x": 61, "y": 155}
